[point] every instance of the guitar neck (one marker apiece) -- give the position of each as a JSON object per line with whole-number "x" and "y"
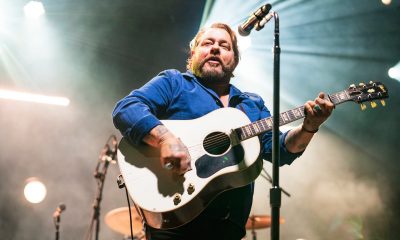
{"x": 264, "y": 125}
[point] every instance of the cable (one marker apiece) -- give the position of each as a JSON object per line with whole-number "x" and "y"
{"x": 130, "y": 213}
{"x": 121, "y": 184}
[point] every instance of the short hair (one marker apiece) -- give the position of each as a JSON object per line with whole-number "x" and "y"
{"x": 195, "y": 42}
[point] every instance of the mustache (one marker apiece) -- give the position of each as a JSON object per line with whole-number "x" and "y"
{"x": 213, "y": 58}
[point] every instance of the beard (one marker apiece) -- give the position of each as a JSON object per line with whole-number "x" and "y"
{"x": 212, "y": 73}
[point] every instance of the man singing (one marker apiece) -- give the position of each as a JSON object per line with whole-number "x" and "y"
{"x": 203, "y": 88}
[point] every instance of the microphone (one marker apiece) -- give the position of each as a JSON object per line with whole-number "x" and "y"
{"x": 59, "y": 209}
{"x": 246, "y": 27}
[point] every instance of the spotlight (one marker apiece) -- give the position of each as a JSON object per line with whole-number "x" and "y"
{"x": 386, "y": 2}
{"x": 394, "y": 72}
{"x": 34, "y": 191}
{"x": 34, "y": 9}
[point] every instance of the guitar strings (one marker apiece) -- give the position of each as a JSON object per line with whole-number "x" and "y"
{"x": 218, "y": 144}
{"x": 221, "y": 139}
{"x": 215, "y": 139}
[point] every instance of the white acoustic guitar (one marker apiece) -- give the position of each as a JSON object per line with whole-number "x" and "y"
{"x": 224, "y": 152}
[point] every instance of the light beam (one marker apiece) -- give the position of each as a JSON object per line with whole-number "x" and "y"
{"x": 30, "y": 97}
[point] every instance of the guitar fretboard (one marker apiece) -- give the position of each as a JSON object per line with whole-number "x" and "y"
{"x": 264, "y": 125}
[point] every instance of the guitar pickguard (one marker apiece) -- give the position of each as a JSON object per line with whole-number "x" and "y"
{"x": 208, "y": 165}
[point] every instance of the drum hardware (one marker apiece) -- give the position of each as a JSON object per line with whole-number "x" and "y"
{"x": 118, "y": 220}
{"x": 259, "y": 221}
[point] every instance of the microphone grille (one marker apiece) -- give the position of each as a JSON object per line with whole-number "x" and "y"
{"x": 62, "y": 206}
{"x": 242, "y": 32}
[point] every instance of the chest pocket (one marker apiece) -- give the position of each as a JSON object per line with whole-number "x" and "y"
{"x": 190, "y": 106}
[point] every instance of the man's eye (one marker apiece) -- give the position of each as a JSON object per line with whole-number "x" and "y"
{"x": 227, "y": 47}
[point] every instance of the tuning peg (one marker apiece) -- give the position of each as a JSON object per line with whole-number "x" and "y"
{"x": 363, "y": 106}
{"x": 352, "y": 86}
{"x": 361, "y": 84}
{"x": 383, "y": 102}
{"x": 373, "y": 104}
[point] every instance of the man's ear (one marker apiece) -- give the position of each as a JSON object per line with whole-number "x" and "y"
{"x": 190, "y": 58}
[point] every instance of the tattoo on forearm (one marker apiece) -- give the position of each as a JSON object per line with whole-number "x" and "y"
{"x": 296, "y": 142}
{"x": 160, "y": 130}
{"x": 290, "y": 140}
{"x": 176, "y": 147}
{"x": 303, "y": 146}
{"x": 154, "y": 136}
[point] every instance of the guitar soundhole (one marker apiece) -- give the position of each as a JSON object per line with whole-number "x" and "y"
{"x": 216, "y": 143}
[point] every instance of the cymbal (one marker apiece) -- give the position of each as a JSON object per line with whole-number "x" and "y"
{"x": 118, "y": 220}
{"x": 260, "y": 221}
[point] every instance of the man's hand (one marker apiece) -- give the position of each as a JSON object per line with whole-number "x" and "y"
{"x": 317, "y": 112}
{"x": 173, "y": 153}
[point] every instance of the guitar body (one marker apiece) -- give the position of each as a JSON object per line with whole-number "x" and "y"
{"x": 168, "y": 200}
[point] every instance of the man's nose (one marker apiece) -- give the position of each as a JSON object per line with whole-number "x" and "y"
{"x": 215, "y": 49}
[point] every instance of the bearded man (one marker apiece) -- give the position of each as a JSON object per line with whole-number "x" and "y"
{"x": 203, "y": 88}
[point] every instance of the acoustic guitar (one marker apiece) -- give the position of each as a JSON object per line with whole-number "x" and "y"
{"x": 224, "y": 151}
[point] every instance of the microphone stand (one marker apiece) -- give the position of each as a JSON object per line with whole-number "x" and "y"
{"x": 107, "y": 155}
{"x": 56, "y": 219}
{"x": 57, "y": 225}
{"x": 269, "y": 179}
{"x": 275, "y": 193}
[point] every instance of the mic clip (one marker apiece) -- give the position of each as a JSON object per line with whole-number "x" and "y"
{"x": 59, "y": 210}
{"x": 260, "y": 24}
{"x": 109, "y": 154}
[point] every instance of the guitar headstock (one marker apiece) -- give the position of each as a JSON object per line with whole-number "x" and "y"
{"x": 368, "y": 93}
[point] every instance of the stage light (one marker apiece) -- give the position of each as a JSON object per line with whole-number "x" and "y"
{"x": 394, "y": 72}
{"x": 34, "y": 9}
{"x": 29, "y": 97}
{"x": 386, "y": 2}
{"x": 34, "y": 191}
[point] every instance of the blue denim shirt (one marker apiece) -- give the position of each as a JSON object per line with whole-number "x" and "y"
{"x": 181, "y": 96}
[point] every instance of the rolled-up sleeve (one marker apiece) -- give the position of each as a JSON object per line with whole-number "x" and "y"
{"x": 136, "y": 114}
{"x": 285, "y": 157}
